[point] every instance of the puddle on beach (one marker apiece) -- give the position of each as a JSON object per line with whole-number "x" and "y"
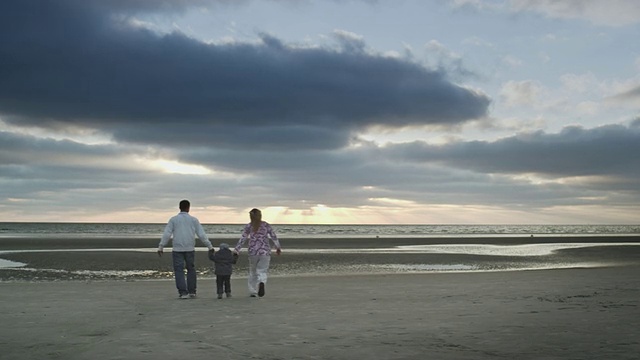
{"x": 10, "y": 264}
{"x": 422, "y": 268}
{"x": 92, "y": 273}
{"x": 469, "y": 249}
{"x": 426, "y": 267}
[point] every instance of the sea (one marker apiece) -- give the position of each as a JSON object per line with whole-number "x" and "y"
{"x": 35, "y": 229}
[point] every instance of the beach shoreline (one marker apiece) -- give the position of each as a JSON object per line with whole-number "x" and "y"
{"x": 88, "y": 242}
{"x": 53, "y": 259}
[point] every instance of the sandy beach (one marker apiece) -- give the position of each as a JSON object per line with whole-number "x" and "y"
{"x": 327, "y": 299}
{"x": 550, "y": 314}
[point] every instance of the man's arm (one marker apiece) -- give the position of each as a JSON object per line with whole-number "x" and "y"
{"x": 166, "y": 236}
{"x": 202, "y": 235}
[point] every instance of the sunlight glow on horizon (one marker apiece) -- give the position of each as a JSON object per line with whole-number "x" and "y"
{"x": 175, "y": 167}
{"x": 440, "y": 214}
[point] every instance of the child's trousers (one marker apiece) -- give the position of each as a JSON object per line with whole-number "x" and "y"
{"x": 223, "y": 283}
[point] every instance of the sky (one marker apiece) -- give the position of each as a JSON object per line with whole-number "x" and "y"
{"x": 321, "y": 112}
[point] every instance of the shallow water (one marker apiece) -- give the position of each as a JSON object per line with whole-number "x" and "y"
{"x": 466, "y": 249}
{"x": 314, "y": 261}
{"x": 10, "y": 264}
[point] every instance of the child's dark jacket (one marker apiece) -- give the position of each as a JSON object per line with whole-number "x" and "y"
{"x": 224, "y": 260}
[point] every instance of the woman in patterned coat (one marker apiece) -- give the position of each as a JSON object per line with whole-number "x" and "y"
{"x": 258, "y": 233}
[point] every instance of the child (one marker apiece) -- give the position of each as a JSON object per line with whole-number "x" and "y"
{"x": 224, "y": 260}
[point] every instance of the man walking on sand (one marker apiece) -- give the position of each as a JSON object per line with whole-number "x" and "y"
{"x": 182, "y": 229}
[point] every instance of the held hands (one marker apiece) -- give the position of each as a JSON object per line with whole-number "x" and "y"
{"x": 160, "y": 252}
{"x": 278, "y": 251}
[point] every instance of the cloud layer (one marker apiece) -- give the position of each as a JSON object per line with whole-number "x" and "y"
{"x": 271, "y": 123}
{"x": 92, "y": 68}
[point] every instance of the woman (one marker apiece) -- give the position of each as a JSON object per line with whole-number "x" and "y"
{"x": 258, "y": 233}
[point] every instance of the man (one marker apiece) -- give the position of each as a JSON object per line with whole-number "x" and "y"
{"x": 182, "y": 229}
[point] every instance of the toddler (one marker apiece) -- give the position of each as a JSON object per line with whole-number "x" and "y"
{"x": 224, "y": 260}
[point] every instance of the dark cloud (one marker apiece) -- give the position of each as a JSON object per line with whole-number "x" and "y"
{"x": 357, "y": 177}
{"x": 233, "y": 137}
{"x": 18, "y": 149}
{"x": 74, "y": 62}
{"x": 575, "y": 151}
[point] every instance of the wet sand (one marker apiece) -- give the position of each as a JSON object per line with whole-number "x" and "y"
{"x": 549, "y": 314}
{"x": 51, "y": 258}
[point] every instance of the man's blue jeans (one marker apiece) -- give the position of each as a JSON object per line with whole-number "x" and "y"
{"x": 182, "y": 259}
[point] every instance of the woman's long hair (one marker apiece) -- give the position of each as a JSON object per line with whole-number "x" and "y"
{"x": 256, "y": 219}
